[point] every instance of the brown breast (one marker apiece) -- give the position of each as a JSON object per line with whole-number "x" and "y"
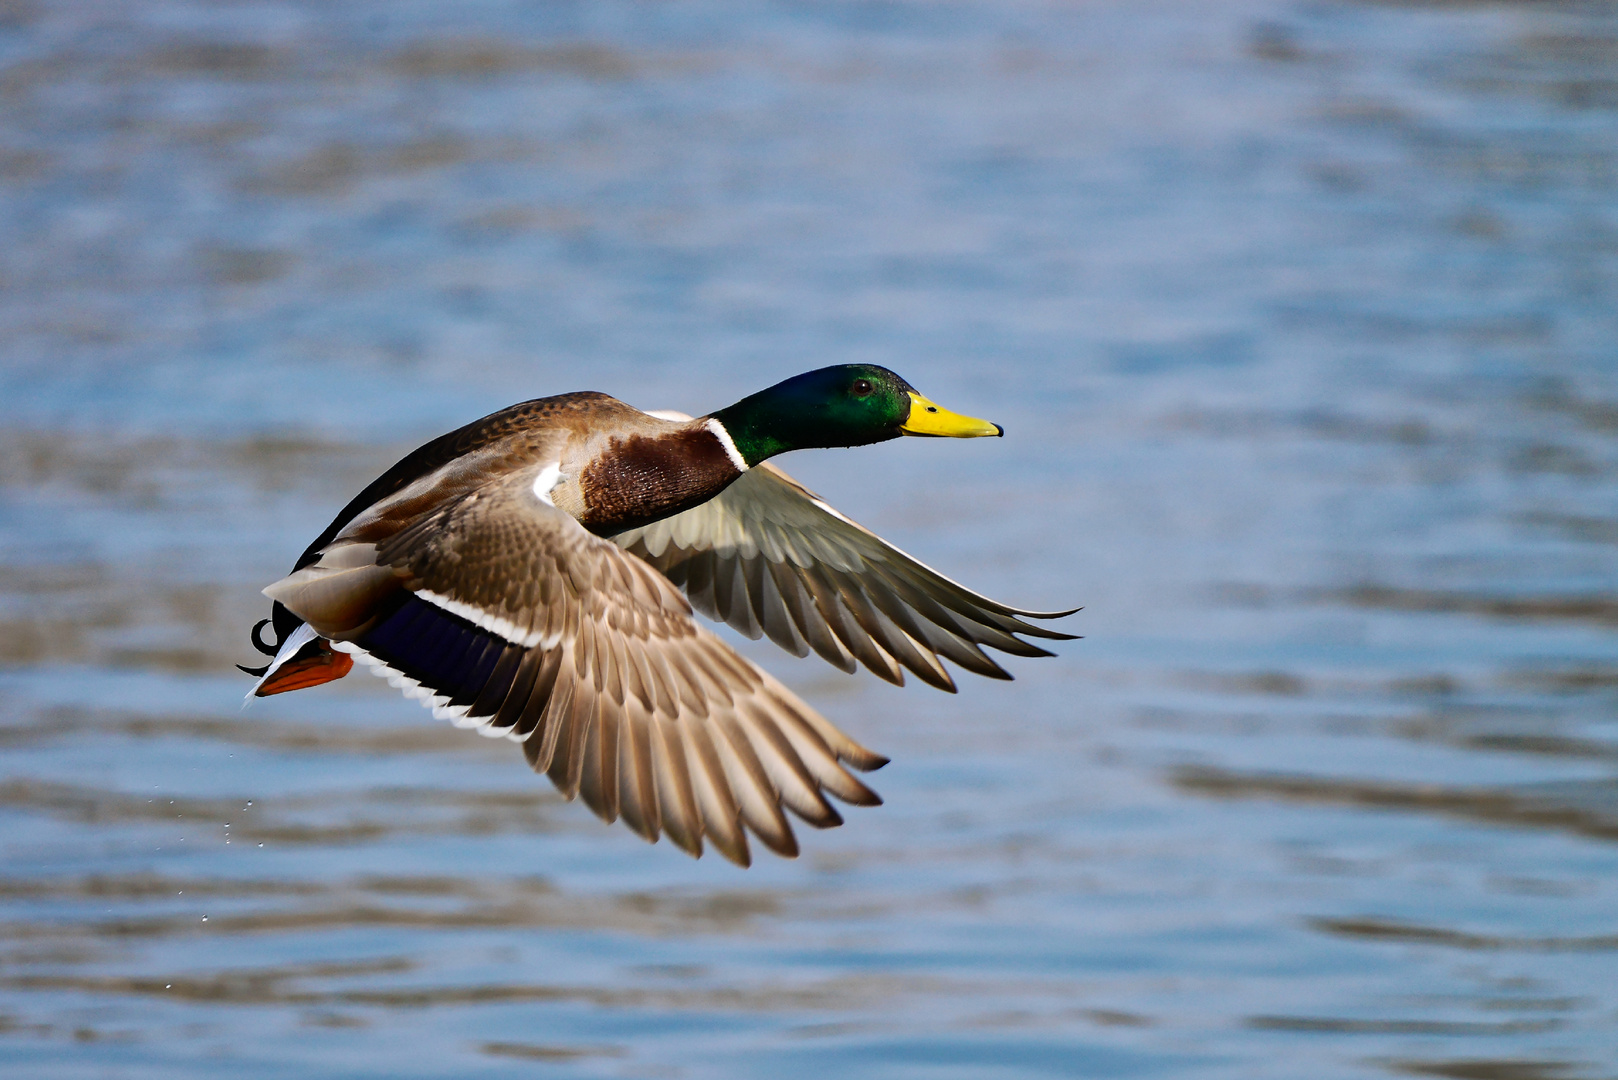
{"x": 639, "y": 479}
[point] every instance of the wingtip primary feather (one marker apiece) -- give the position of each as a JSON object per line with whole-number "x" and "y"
{"x": 1020, "y": 613}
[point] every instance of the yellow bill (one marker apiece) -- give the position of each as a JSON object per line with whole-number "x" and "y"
{"x": 928, "y": 419}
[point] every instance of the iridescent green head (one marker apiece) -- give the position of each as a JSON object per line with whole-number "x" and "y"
{"x": 846, "y": 405}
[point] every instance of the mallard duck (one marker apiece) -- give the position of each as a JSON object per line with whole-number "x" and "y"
{"x": 523, "y": 576}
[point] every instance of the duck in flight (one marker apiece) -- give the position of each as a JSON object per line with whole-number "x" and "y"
{"x": 533, "y": 574}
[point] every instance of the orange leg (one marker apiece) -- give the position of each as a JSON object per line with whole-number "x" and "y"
{"x": 313, "y": 665}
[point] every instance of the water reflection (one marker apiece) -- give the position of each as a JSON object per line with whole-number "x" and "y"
{"x": 1478, "y": 1069}
{"x": 1588, "y": 808}
{"x": 1299, "y": 318}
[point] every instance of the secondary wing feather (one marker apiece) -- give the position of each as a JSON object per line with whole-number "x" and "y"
{"x": 771, "y": 558}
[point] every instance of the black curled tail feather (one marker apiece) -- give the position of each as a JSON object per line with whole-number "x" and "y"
{"x": 261, "y": 646}
{"x": 284, "y": 622}
{"x": 269, "y": 649}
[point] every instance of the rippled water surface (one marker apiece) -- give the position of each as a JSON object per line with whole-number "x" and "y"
{"x": 1302, "y": 319}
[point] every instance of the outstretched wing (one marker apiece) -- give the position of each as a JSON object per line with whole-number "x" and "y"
{"x": 502, "y": 613}
{"x": 769, "y": 557}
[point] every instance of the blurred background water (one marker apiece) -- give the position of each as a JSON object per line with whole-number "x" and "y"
{"x": 1301, "y": 319}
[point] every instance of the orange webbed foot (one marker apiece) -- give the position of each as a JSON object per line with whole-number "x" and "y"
{"x": 315, "y": 663}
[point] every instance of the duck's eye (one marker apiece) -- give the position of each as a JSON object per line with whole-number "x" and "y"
{"x": 862, "y": 387}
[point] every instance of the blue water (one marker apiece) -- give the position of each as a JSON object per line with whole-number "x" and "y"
{"x": 1301, "y": 320}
